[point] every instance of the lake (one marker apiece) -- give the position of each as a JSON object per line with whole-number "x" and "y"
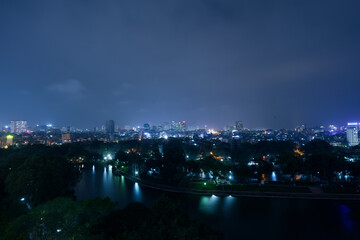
{"x": 237, "y": 218}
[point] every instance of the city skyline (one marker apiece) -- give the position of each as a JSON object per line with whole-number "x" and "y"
{"x": 238, "y": 124}
{"x": 272, "y": 65}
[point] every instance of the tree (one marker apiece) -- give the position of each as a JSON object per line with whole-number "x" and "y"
{"x": 41, "y": 179}
{"x": 290, "y": 163}
{"x": 243, "y": 172}
{"x": 214, "y": 167}
{"x": 322, "y": 160}
{"x": 173, "y": 162}
{"x": 60, "y": 218}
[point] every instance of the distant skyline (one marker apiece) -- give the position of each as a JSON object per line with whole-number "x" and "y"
{"x": 122, "y": 125}
{"x": 271, "y": 64}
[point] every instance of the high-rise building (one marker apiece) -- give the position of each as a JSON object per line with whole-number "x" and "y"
{"x": 147, "y": 126}
{"x": 110, "y": 126}
{"x": 66, "y": 137}
{"x": 18, "y": 126}
{"x": 352, "y": 134}
{"x": 239, "y": 125}
{"x": 183, "y": 126}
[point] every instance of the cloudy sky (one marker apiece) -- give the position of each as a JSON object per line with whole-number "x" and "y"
{"x": 273, "y": 64}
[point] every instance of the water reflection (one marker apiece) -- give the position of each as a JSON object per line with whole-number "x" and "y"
{"x": 137, "y": 192}
{"x": 228, "y": 204}
{"x": 273, "y": 176}
{"x": 346, "y": 221}
{"x": 209, "y": 205}
{"x": 254, "y": 218}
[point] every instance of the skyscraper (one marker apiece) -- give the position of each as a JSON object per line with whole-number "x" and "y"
{"x": 239, "y": 125}
{"x": 147, "y": 126}
{"x": 352, "y": 134}
{"x": 18, "y": 126}
{"x": 110, "y": 126}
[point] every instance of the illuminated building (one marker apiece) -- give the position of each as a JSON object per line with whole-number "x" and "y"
{"x": 9, "y": 140}
{"x": 147, "y": 126}
{"x": 110, "y": 126}
{"x": 66, "y": 138}
{"x": 239, "y": 125}
{"x": 352, "y": 134}
{"x": 183, "y": 126}
{"x": 18, "y": 126}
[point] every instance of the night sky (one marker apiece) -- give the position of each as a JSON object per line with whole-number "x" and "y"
{"x": 272, "y": 64}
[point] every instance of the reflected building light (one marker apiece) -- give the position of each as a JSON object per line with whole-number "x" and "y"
{"x": 345, "y": 216}
{"x": 209, "y": 205}
{"x": 137, "y": 192}
{"x": 273, "y": 176}
{"x": 228, "y": 204}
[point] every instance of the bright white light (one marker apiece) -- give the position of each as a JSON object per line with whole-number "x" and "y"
{"x": 136, "y": 173}
{"x": 230, "y": 177}
{"x": 22, "y": 199}
{"x": 58, "y": 230}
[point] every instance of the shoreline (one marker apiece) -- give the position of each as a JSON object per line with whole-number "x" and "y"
{"x": 227, "y": 193}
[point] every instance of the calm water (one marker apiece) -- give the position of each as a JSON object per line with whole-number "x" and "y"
{"x": 238, "y": 218}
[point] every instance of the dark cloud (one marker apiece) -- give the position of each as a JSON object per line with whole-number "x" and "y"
{"x": 268, "y": 63}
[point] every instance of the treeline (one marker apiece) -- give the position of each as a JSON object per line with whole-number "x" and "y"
{"x": 97, "y": 219}
{"x": 317, "y": 160}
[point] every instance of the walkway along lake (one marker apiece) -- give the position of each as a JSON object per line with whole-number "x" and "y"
{"x": 237, "y": 217}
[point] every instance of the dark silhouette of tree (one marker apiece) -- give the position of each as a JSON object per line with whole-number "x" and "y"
{"x": 40, "y": 179}
{"x": 173, "y": 162}
{"x": 321, "y": 160}
{"x": 291, "y": 163}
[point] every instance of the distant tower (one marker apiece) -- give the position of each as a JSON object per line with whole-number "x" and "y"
{"x": 352, "y": 134}
{"x": 18, "y": 126}
{"x": 147, "y": 126}
{"x": 183, "y": 126}
{"x": 110, "y": 126}
{"x": 239, "y": 125}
